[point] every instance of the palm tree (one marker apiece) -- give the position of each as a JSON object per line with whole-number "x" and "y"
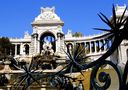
{"x": 76, "y": 59}
{"x": 5, "y": 46}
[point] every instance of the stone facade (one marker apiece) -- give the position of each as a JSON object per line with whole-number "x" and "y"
{"x": 47, "y": 29}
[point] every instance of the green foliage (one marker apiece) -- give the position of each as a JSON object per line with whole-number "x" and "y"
{"x": 77, "y": 58}
{"x": 77, "y": 34}
{"x": 5, "y": 46}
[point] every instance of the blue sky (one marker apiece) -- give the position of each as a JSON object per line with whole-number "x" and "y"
{"x": 78, "y": 15}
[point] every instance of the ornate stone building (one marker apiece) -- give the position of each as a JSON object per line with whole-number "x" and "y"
{"x": 48, "y": 35}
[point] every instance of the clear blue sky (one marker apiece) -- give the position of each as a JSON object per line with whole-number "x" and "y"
{"x": 78, "y": 15}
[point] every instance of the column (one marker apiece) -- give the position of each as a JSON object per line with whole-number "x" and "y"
{"x": 102, "y": 45}
{"x": 59, "y": 44}
{"x": 38, "y": 47}
{"x": 86, "y": 47}
{"x": 98, "y": 46}
{"x": 21, "y": 49}
{"x": 90, "y": 48}
{"x": 15, "y": 49}
{"x": 35, "y": 45}
{"x": 105, "y": 45}
{"x": 105, "y": 42}
{"x": 57, "y": 51}
{"x": 95, "y": 44}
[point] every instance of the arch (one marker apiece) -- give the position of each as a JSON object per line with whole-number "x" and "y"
{"x": 70, "y": 46}
{"x": 12, "y": 50}
{"x": 26, "y": 47}
{"x": 47, "y": 37}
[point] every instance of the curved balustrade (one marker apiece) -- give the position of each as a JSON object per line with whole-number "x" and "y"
{"x": 92, "y": 46}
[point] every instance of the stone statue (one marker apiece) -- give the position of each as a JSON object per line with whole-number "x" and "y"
{"x": 47, "y": 48}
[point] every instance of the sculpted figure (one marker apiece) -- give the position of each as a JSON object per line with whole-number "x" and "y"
{"x": 47, "y": 48}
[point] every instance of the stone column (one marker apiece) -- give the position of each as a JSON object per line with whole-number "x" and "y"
{"x": 98, "y": 46}
{"x": 102, "y": 45}
{"x": 95, "y": 43}
{"x": 35, "y": 36}
{"x": 15, "y": 49}
{"x": 21, "y": 49}
{"x": 58, "y": 44}
{"x": 90, "y": 48}
{"x": 105, "y": 44}
{"x": 38, "y": 47}
{"x": 35, "y": 45}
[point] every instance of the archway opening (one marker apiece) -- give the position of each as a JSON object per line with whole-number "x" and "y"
{"x": 26, "y": 46}
{"x": 47, "y": 42}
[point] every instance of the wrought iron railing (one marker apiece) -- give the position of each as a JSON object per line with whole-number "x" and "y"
{"x": 118, "y": 32}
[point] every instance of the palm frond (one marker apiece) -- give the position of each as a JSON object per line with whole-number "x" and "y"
{"x": 75, "y": 50}
{"x": 79, "y": 53}
{"x": 75, "y": 57}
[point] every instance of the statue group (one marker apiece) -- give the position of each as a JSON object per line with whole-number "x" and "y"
{"x": 47, "y": 48}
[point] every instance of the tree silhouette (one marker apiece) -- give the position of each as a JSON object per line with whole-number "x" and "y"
{"x": 5, "y": 46}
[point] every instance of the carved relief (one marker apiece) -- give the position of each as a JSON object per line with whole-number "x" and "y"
{"x": 47, "y": 14}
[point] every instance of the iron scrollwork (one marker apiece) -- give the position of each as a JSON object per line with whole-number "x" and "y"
{"x": 118, "y": 32}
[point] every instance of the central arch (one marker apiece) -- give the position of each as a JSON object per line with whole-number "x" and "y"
{"x": 47, "y": 37}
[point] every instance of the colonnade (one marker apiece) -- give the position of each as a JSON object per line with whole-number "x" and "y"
{"x": 97, "y": 46}
{"x": 20, "y": 49}
{"x": 93, "y": 46}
